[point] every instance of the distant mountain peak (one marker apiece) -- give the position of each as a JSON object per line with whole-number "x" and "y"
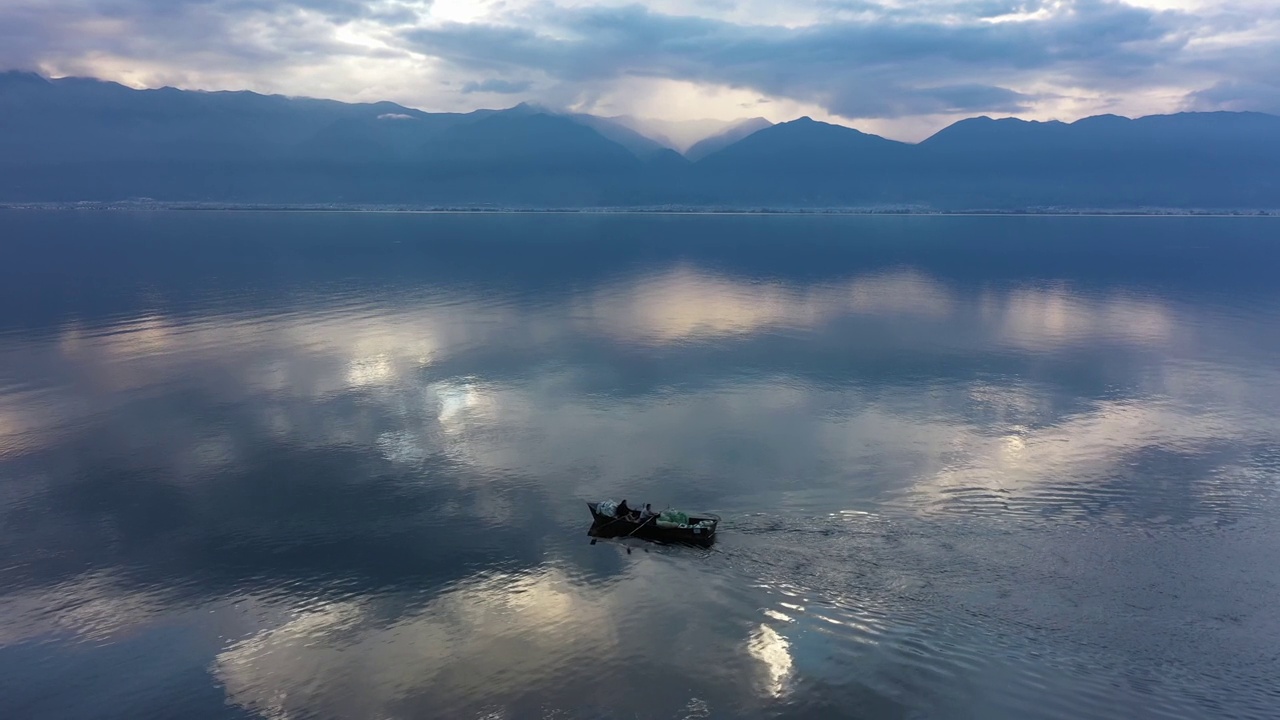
{"x": 808, "y": 125}
{"x": 809, "y": 122}
{"x": 531, "y": 108}
{"x": 1107, "y": 118}
{"x": 22, "y": 77}
{"x": 17, "y": 73}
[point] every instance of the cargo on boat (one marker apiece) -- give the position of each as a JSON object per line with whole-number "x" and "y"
{"x": 612, "y": 519}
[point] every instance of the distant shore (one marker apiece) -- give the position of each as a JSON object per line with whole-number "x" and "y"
{"x": 150, "y": 205}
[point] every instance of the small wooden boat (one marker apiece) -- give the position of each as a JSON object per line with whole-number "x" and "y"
{"x": 665, "y": 527}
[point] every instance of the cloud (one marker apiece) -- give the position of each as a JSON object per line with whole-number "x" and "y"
{"x": 394, "y": 116}
{"x": 885, "y": 67}
{"x": 495, "y": 85}
{"x": 1238, "y": 96}
{"x": 868, "y": 60}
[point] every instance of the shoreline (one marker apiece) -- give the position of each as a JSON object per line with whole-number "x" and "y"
{"x": 153, "y": 206}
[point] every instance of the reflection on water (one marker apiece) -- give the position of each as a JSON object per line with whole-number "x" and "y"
{"x": 284, "y": 466}
{"x": 356, "y": 658}
{"x": 771, "y": 649}
{"x": 684, "y": 304}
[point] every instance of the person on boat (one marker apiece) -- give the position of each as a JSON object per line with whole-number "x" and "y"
{"x": 646, "y": 513}
{"x": 623, "y": 511}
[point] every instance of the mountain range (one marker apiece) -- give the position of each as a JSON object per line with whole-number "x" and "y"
{"x": 72, "y": 139}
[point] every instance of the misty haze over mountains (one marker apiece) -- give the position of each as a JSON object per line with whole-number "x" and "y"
{"x": 81, "y": 139}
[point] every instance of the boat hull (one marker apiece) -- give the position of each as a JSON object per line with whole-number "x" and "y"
{"x": 604, "y": 526}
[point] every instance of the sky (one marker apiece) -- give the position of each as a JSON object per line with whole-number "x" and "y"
{"x": 898, "y": 68}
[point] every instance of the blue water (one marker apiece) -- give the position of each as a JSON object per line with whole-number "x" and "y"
{"x": 292, "y": 465}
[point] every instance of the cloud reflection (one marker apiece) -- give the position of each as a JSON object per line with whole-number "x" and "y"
{"x": 1055, "y": 317}
{"x": 773, "y": 651}
{"x": 485, "y": 639}
{"x": 687, "y": 305}
{"x": 406, "y": 361}
{"x": 93, "y": 606}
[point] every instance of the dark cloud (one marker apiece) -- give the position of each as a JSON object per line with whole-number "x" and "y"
{"x": 861, "y": 69}
{"x": 495, "y": 85}
{"x": 1237, "y": 95}
{"x": 937, "y": 100}
{"x": 338, "y": 10}
{"x": 1247, "y": 80}
{"x": 190, "y": 35}
{"x": 863, "y": 59}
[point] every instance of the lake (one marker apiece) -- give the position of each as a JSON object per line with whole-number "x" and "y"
{"x": 336, "y": 465}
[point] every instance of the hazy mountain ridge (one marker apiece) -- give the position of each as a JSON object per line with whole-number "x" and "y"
{"x": 679, "y": 135}
{"x": 725, "y": 138}
{"x": 82, "y": 139}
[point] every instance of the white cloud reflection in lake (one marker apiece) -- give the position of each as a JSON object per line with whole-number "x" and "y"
{"x": 405, "y": 360}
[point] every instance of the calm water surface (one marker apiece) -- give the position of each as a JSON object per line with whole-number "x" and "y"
{"x": 336, "y": 466}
